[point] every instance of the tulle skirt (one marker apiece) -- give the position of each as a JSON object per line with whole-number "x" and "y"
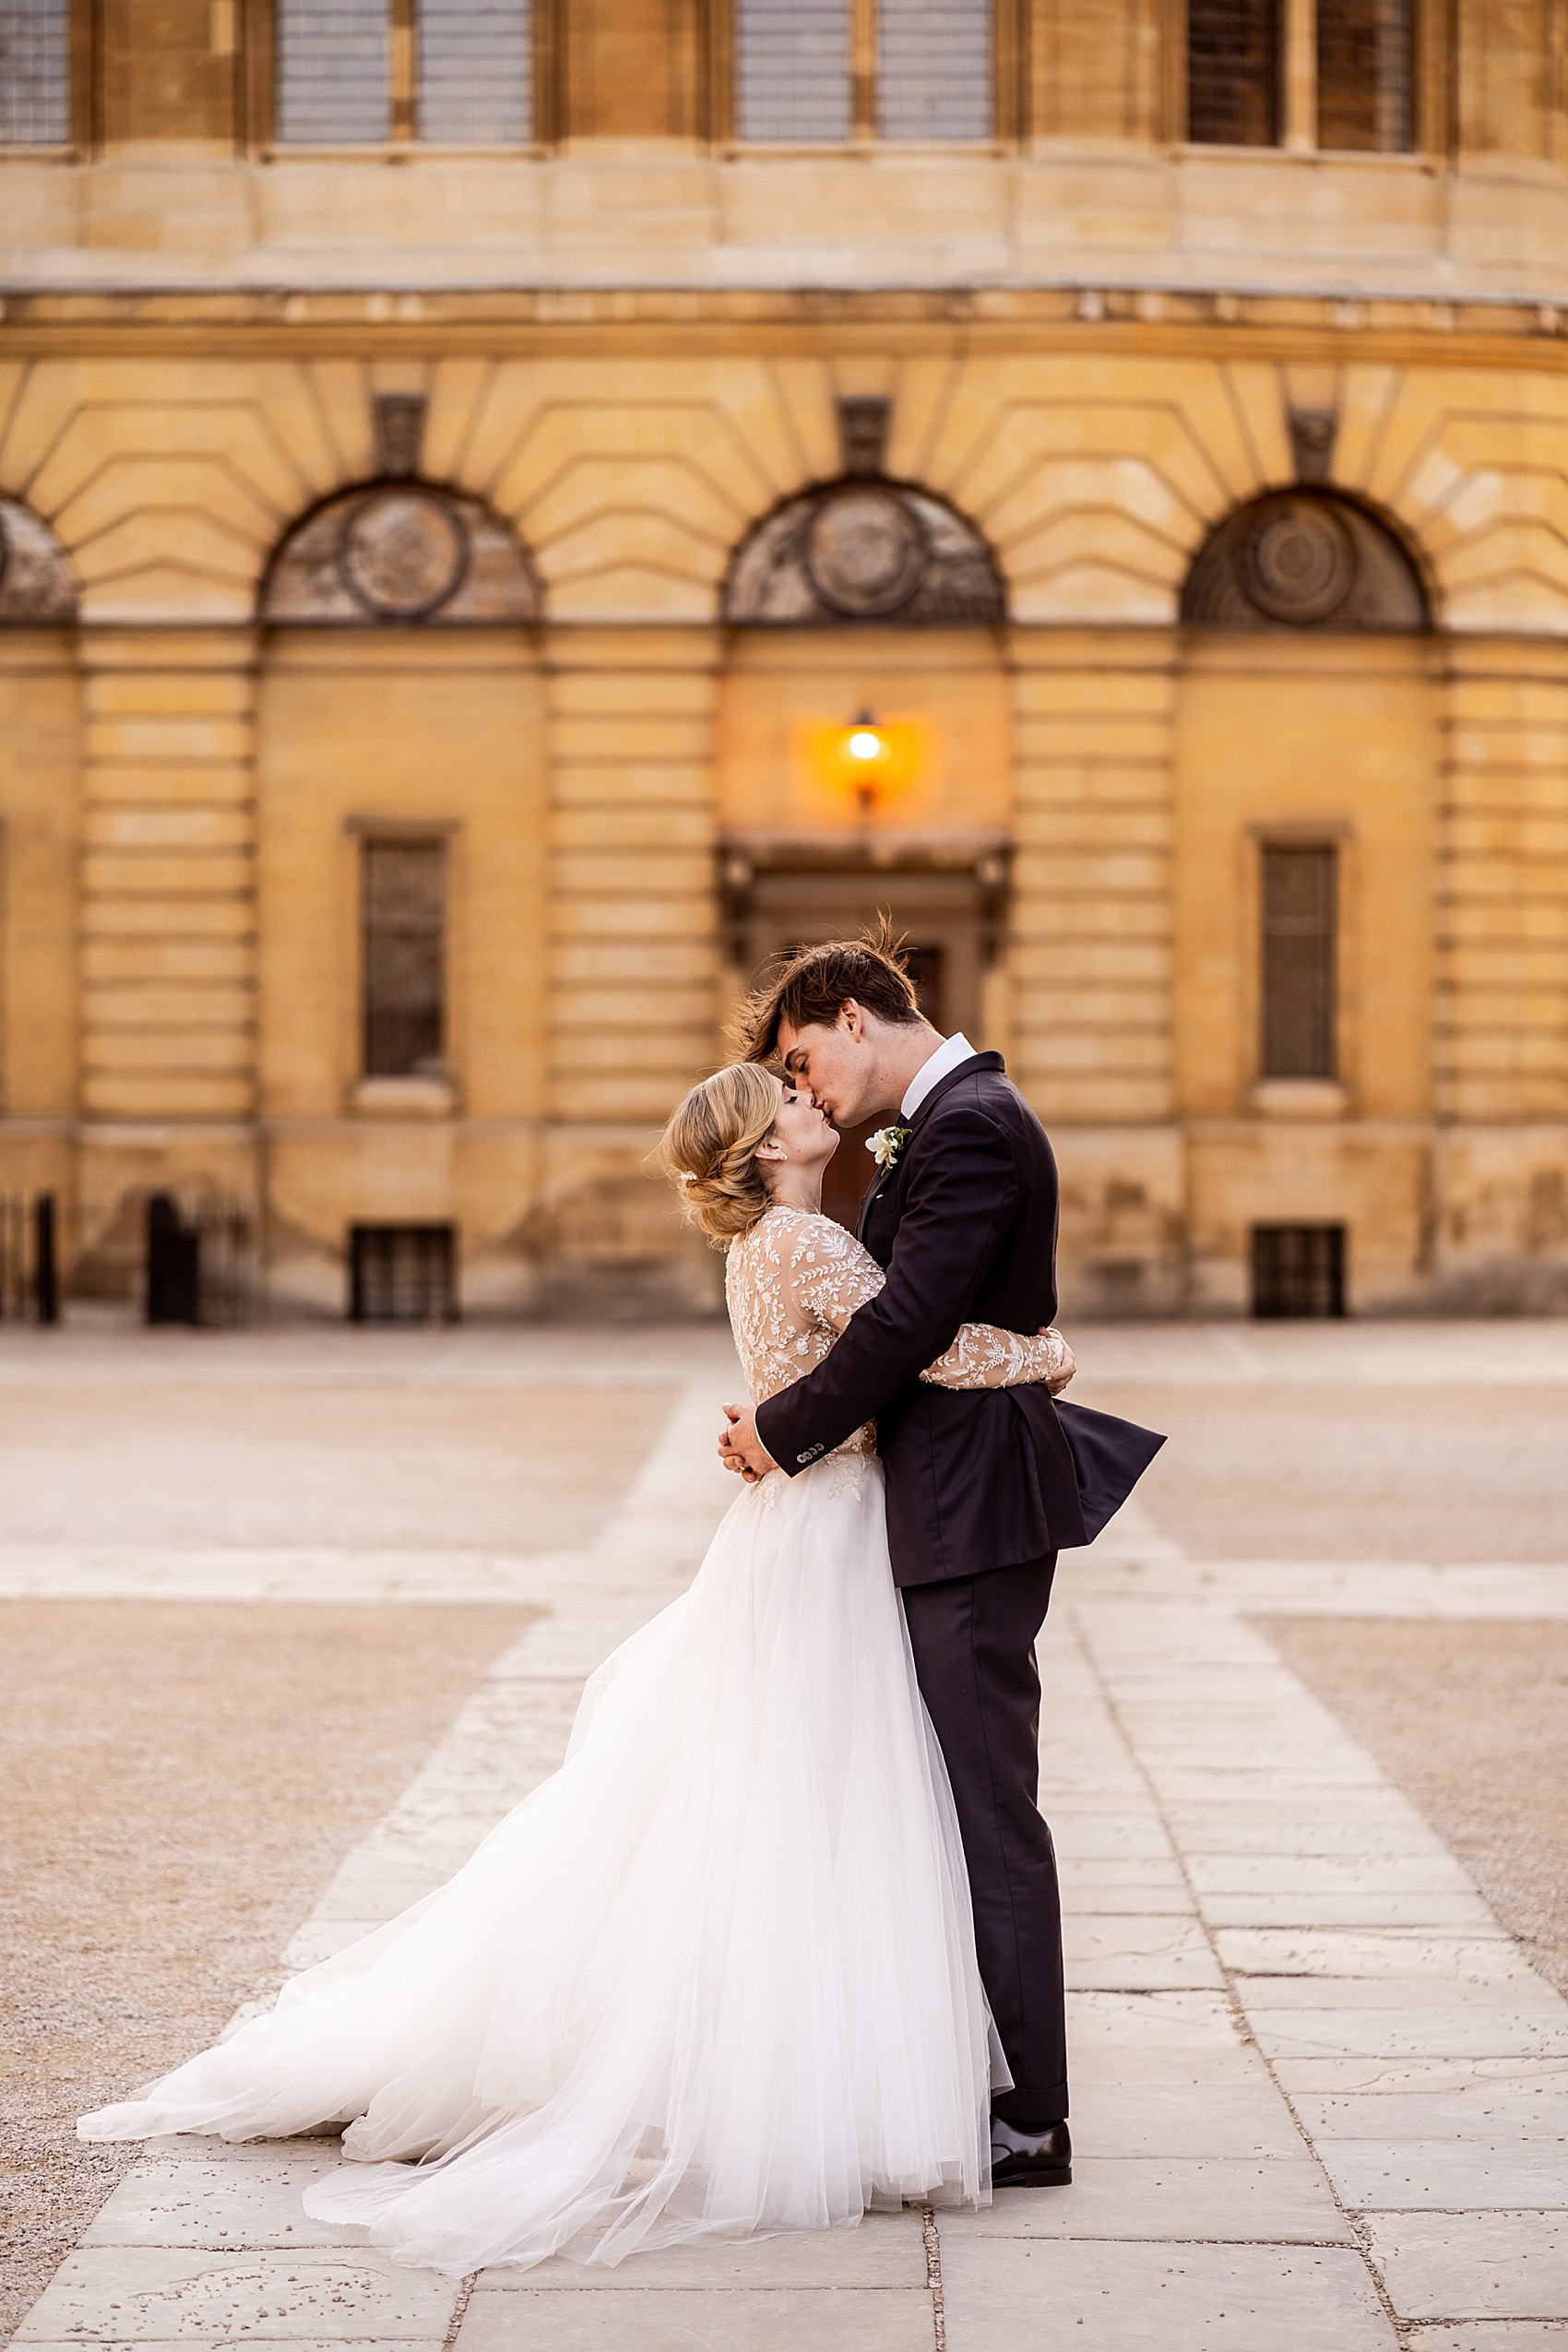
{"x": 716, "y": 1977}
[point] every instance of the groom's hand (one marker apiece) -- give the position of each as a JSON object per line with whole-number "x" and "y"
{"x": 740, "y": 1447}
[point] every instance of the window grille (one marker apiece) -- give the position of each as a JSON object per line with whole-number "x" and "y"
{"x": 1298, "y": 993}
{"x": 334, "y": 86}
{"x": 934, "y": 69}
{"x": 475, "y": 73}
{"x": 402, "y": 1274}
{"x": 1298, "y": 1270}
{"x": 1233, "y": 58}
{"x": 923, "y": 69}
{"x": 1363, "y": 75}
{"x": 403, "y": 903}
{"x": 35, "y": 73}
{"x": 363, "y": 72}
{"x": 793, "y": 69}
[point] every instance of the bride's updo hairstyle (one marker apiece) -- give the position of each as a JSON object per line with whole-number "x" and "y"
{"x": 711, "y": 1147}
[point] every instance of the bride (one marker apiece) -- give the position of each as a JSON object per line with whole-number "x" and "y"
{"x": 717, "y": 1976}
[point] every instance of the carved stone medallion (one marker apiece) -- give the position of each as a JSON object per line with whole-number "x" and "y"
{"x": 865, "y": 552}
{"x": 403, "y": 553}
{"x": 1297, "y": 560}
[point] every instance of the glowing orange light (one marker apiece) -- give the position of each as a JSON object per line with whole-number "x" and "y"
{"x": 865, "y": 744}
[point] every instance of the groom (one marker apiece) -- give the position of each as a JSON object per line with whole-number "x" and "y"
{"x": 983, "y": 1485}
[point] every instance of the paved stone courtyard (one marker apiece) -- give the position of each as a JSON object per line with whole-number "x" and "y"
{"x": 1321, "y": 2093}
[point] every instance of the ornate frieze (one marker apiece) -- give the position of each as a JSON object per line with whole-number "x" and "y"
{"x": 399, "y": 551}
{"x": 1302, "y": 558}
{"x": 864, "y": 549}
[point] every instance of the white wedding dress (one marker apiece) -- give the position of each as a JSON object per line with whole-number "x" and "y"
{"x": 717, "y": 1976}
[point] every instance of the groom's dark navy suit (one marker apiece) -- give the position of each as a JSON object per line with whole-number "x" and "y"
{"x": 984, "y": 1486}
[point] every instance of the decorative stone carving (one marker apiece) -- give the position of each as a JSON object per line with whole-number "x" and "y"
{"x": 1303, "y": 559}
{"x": 395, "y": 552}
{"x": 36, "y": 588}
{"x": 403, "y": 553}
{"x": 863, "y": 549}
{"x": 864, "y": 427}
{"x": 1313, "y": 432}
{"x": 399, "y": 419}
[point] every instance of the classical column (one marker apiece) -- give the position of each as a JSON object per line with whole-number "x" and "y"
{"x": 1091, "y": 954}
{"x": 634, "y": 938}
{"x": 167, "y": 930}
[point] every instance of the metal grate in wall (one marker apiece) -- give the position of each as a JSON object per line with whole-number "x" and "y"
{"x": 1233, "y": 72}
{"x": 1363, "y": 75}
{"x": 792, "y": 69}
{"x": 1298, "y": 1270}
{"x": 403, "y": 1274}
{"x": 35, "y": 73}
{"x": 933, "y": 76}
{"x": 1299, "y": 892}
{"x": 404, "y": 918}
{"x": 475, "y": 72}
{"x": 333, "y": 83}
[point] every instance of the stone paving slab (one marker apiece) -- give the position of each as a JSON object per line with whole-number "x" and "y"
{"x": 887, "y": 2249}
{"x": 162, "y": 2294}
{"x": 1473, "y": 2265}
{"x": 827, "y": 2319}
{"x": 1226, "y": 2199}
{"x": 1466, "y": 2173}
{"x": 1001, "y": 2294}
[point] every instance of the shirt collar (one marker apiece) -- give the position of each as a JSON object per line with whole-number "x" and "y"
{"x": 948, "y": 1055}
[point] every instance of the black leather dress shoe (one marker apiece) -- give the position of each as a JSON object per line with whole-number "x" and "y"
{"x": 1029, "y": 2159}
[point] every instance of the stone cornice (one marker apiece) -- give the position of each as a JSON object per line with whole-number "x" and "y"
{"x": 1414, "y": 331}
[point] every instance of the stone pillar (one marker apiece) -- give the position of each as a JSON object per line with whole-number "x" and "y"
{"x": 167, "y": 931}
{"x": 1500, "y": 1049}
{"x": 1091, "y": 957}
{"x": 635, "y": 1000}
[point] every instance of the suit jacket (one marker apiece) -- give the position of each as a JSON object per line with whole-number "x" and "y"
{"x": 965, "y": 1223}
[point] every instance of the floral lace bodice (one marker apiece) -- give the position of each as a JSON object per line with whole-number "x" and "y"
{"x": 795, "y": 1279}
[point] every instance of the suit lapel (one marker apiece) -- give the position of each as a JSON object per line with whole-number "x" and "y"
{"x": 922, "y": 1111}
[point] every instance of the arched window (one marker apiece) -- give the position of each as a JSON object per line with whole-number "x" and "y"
{"x": 1303, "y": 559}
{"x": 456, "y": 73}
{"x": 836, "y": 70}
{"x": 1329, "y": 74}
{"x": 35, "y": 73}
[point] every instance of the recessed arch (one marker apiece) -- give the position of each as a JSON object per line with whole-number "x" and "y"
{"x": 399, "y": 551}
{"x": 1304, "y": 558}
{"x": 864, "y": 549}
{"x": 36, "y": 588}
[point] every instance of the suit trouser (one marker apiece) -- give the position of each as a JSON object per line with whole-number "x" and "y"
{"x": 973, "y": 1639}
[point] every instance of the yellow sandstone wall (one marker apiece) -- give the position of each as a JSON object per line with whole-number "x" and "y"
{"x": 187, "y": 990}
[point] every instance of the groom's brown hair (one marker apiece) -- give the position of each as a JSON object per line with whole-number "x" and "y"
{"x": 810, "y": 988}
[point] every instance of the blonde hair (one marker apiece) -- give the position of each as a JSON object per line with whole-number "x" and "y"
{"x": 711, "y": 1147}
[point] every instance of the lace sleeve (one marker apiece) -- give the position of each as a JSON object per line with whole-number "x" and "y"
{"x": 982, "y": 1356}
{"x": 830, "y": 1274}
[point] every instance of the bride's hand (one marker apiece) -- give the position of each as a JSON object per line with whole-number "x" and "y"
{"x": 1059, "y": 1380}
{"x": 740, "y": 1447}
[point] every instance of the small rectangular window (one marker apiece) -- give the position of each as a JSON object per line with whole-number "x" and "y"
{"x": 402, "y": 1274}
{"x": 403, "y": 903}
{"x": 1233, "y": 68}
{"x": 35, "y": 73}
{"x": 933, "y": 69}
{"x": 1363, "y": 75}
{"x": 1298, "y": 1270}
{"x": 1298, "y": 992}
{"x": 332, "y": 72}
{"x": 793, "y": 69}
{"x": 474, "y": 73}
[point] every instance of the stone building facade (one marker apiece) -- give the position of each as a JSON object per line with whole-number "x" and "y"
{"x": 509, "y": 517}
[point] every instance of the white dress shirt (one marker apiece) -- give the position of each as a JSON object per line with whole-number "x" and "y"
{"x": 948, "y": 1055}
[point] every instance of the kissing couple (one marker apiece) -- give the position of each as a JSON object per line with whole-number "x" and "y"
{"x": 781, "y": 1939}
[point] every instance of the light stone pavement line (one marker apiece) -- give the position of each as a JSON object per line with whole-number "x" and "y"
{"x": 1197, "y": 2208}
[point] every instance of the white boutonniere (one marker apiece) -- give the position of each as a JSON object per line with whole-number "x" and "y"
{"x": 886, "y": 1146}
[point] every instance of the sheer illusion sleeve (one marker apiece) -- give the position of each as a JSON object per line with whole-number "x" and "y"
{"x": 831, "y": 1277}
